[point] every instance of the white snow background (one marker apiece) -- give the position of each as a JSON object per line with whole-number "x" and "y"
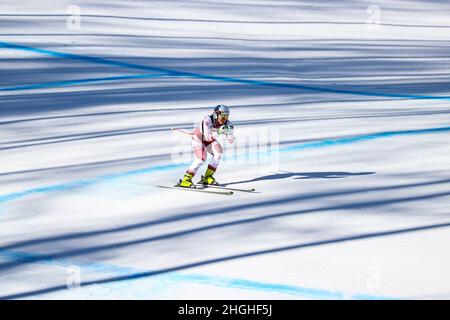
{"x": 353, "y": 195}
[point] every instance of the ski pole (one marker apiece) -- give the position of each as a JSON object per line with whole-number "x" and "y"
{"x": 182, "y": 131}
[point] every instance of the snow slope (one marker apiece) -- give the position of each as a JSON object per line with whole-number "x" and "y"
{"x": 342, "y": 121}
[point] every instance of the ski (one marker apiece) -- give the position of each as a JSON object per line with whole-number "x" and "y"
{"x": 197, "y": 189}
{"x": 225, "y": 188}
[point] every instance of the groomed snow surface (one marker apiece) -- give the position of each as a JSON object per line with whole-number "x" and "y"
{"x": 342, "y": 118}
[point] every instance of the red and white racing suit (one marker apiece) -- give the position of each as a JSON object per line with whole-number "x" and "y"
{"x": 204, "y": 140}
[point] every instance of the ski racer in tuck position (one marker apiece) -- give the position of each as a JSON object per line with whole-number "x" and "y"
{"x": 204, "y": 140}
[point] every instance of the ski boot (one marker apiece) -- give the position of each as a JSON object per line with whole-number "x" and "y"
{"x": 186, "y": 182}
{"x": 208, "y": 178}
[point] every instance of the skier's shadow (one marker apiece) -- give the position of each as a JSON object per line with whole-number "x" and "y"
{"x": 303, "y": 175}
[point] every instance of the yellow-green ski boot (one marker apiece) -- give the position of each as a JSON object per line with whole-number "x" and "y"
{"x": 186, "y": 182}
{"x": 208, "y": 178}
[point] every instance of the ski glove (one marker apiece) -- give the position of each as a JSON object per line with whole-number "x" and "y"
{"x": 225, "y": 129}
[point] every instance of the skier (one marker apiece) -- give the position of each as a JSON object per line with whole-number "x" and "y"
{"x": 204, "y": 140}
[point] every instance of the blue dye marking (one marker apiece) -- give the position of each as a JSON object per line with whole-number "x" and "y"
{"x": 211, "y": 77}
{"x": 26, "y": 257}
{"x": 160, "y": 168}
{"x": 223, "y": 282}
{"x": 78, "y": 57}
{"x": 272, "y": 287}
{"x": 65, "y": 83}
{"x": 86, "y": 182}
{"x": 361, "y": 138}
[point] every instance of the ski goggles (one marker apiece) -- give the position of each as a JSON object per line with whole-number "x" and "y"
{"x": 223, "y": 116}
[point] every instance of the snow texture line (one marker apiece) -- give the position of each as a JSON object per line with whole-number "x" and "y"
{"x": 270, "y": 22}
{"x": 170, "y": 72}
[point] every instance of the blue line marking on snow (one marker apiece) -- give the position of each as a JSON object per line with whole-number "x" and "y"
{"x": 86, "y": 182}
{"x": 84, "y": 58}
{"x": 159, "y": 168}
{"x": 26, "y": 257}
{"x": 272, "y": 287}
{"x": 65, "y": 83}
{"x": 170, "y": 72}
{"x": 360, "y": 138}
{"x": 173, "y": 278}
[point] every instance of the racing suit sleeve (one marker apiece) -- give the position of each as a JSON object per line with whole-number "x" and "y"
{"x": 206, "y": 129}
